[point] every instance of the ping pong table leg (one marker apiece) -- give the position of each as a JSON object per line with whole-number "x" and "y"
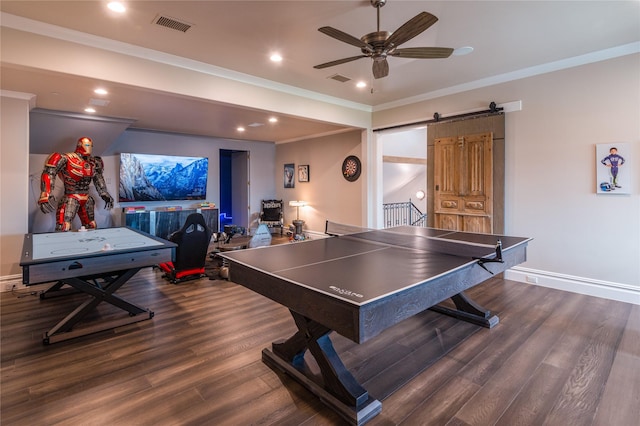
{"x": 340, "y": 390}
{"x": 468, "y": 310}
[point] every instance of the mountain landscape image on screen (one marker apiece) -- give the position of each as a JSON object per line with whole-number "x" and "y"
{"x": 145, "y": 177}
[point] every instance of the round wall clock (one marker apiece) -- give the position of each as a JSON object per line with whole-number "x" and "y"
{"x": 351, "y": 168}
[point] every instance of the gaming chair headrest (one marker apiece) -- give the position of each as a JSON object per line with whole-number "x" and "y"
{"x": 193, "y": 220}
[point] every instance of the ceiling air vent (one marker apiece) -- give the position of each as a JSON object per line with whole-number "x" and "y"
{"x": 340, "y": 78}
{"x": 174, "y": 24}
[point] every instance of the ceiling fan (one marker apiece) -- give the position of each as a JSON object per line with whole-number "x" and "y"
{"x": 380, "y": 44}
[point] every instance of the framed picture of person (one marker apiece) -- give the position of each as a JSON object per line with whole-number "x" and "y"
{"x": 289, "y": 176}
{"x": 303, "y": 173}
{"x": 612, "y": 168}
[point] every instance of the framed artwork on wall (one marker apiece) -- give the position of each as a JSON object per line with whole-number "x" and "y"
{"x": 303, "y": 173}
{"x": 289, "y": 175}
{"x": 612, "y": 168}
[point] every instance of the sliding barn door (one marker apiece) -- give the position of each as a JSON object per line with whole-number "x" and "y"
{"x": 465, "y": 174}
{"x": 463, "y": 179}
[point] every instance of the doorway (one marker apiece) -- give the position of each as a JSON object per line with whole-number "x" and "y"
{"x": 234, "y": 188}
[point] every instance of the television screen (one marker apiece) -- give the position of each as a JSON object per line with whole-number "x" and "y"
{"x": 146, "y": 177}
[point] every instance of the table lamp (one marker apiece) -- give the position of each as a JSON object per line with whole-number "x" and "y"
{"x": 298, "y": 223}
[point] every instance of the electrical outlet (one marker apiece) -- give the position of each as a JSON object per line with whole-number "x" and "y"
{"x": 532, "y": 280}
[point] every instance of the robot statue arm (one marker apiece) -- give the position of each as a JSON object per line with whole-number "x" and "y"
{"x": 100, "y": 184}
{"x": 54, "y": 163}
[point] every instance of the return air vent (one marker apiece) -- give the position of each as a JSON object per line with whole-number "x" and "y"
{"x": 340, "y": 78}
{"x": 172, "y": 23}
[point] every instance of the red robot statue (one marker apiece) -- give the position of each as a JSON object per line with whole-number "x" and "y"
{"x": 77, "y": 170}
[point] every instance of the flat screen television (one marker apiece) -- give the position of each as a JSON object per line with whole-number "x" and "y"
{"x": 145, "y": 177}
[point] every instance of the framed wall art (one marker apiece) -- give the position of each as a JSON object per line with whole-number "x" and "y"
{"x": 613, "y": 168}
{"x": 303, "y": 173}
{"x": 289, "y": 175}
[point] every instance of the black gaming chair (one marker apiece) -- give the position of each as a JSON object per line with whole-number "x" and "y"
{"x": 193, "y": 243}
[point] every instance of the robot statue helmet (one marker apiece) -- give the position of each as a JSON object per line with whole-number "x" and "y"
{"x": 84, "y": 146}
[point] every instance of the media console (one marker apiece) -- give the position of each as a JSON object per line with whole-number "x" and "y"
{"x": 161, "y": 223}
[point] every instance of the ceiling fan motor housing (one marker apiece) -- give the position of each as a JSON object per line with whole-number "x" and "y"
{"x": 375, "y": 40}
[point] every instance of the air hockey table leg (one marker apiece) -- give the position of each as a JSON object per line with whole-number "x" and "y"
{"x": 64, "y": 329}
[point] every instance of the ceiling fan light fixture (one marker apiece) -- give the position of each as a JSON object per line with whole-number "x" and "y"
{"x": 461, "y": 51}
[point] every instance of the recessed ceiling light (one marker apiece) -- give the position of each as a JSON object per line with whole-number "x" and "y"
{"x": 100, "y": 91}
{"x": 273, "y": 120}
{"x": 461, "y": 51}
{"x": 361, "y": 84}
{"x": 240, "y": 129}
{"x": 276, "y": 57}
{"x": 89, "y": 109}
{"x": 117, "y": 6}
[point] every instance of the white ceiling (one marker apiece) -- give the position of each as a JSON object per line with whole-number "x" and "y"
{"x": 508, "y": 37}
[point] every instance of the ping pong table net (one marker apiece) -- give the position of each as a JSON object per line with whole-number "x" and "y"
{"x": 339, "y": 229}
{"x": 481, "y": 253}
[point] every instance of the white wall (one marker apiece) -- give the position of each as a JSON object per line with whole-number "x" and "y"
{"x": 551, "y": 168}
{"x": 330, "y": 196}
{"x": 14, "y": 155}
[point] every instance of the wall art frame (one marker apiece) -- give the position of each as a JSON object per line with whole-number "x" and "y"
{"x": 289, "y": 175}
{"x": 303, "y": 173}
{"x": 613, "y": 174}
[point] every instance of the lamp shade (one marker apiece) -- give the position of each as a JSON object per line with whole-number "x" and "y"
{"x": 297, "y": 204}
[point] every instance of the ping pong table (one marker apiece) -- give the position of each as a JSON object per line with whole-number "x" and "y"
{"x": 358, "y": 285}
{"x": 96, "y": 262}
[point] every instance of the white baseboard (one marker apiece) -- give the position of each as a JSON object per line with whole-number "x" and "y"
{"x": 9, "y": 282}
{"x": 590, "y": 287}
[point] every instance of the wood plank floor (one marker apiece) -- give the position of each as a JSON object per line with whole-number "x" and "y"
{"x": 556, "y": 358}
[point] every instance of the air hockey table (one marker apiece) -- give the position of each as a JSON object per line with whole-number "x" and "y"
{"x": 96, "y": 262}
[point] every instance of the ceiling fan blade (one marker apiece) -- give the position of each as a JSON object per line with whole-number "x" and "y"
{"x": 346, "y": 38}
{"x": 410, "y": 29}
{"x": 338, "y": 62}
{"x": 380, "y": 68}
{"x": 423, "y": 52}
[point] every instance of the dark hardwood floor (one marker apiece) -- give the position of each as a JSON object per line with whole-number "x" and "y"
{"x": 556, "y": 358}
